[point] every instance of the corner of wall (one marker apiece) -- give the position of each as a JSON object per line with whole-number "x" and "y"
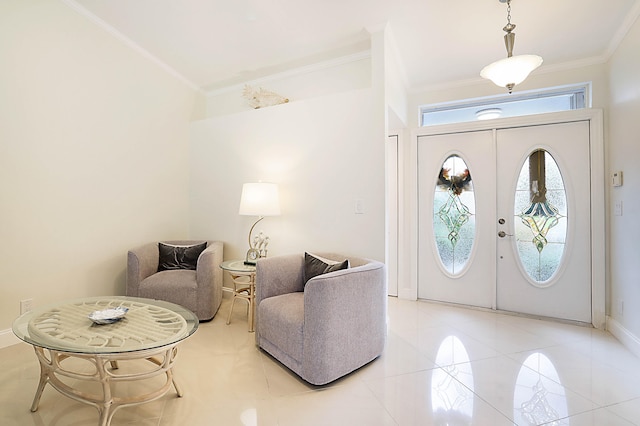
{"x": 199, "y": 111}
{"x": 626, "y": 337}
{"x": 7, "y": 338}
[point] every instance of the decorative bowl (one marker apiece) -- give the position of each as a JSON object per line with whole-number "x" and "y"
{"x": 108, "y": 316}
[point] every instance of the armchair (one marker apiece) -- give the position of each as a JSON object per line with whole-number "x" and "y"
{"x": 331, "y": 326}
{"x": 199, "y": 290}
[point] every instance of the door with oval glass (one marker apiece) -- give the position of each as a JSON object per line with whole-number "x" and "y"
{"x": 544, "y": 221}
{"x": 504, "y": 219}
{"x": 456, "y": 220}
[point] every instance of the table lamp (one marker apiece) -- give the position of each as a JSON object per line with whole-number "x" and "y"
{"x": 258, "y": 199}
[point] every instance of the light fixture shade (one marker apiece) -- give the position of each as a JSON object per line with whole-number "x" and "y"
{"x": 259, "y": 199}
{"x": 511, "y": 71}
{"x": 489, "y": 113}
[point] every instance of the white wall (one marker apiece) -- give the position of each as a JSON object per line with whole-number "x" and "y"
{"x": 93, "y": 155}
{"x": 395, "y": 84}
{"x": 323, "y": 154}
{"x": 624, "y": 154}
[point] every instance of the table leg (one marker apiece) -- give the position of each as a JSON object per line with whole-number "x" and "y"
{"x": 44, "y": 379}
{"x": 252, "y": 304}
{"x": 244, "y": 289}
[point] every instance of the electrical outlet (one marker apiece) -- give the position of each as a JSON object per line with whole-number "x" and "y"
{"x": 25, "y": 306}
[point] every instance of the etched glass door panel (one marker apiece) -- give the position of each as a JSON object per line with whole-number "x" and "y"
{"x": 454, "y": 214}
{"x": 540, "y": 217}
{"x": 456, "y": 193}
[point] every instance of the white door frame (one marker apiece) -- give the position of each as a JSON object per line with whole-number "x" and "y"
{"x": 392, "y": 223}
{"x": 596, "y": 129}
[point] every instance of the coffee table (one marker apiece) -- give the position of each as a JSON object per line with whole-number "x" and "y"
{"x": 61, "y": 332}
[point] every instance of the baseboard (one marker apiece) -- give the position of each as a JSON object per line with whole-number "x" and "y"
{"x": 627, "y": 338}
{"x": 7, "y": 338}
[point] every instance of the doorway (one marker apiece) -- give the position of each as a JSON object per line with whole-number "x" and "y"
{"x": 478, "y": 246}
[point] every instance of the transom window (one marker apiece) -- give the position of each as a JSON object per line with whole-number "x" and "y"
{"x": 552, "y": 99}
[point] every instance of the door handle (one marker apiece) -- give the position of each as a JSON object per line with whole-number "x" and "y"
{"x": 503, "y": 234}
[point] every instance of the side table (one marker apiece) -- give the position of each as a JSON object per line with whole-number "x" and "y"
{"x": 244, "y": 286}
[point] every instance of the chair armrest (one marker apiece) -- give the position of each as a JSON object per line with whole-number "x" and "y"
{"x": 345, "y": 309}
{"x": 142, "y": 262}
{"x": 278, "y": 275}
{"x": 208, "y": 267}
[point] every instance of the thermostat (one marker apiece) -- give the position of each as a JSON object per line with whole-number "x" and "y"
{"x": 616, "y": 178}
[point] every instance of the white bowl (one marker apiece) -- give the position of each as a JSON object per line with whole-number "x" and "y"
{"x": 108, "y": 316}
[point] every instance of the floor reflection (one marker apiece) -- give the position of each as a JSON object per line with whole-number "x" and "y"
{"x": 451, "y": 401}
{"x": 249, "y": 417}
{"x": 539, "y": 397}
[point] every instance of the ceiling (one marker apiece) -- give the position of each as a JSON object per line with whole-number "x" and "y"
{"x": 218, "y": 43}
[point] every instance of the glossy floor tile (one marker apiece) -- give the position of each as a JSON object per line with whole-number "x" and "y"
{"x": 442, "y": 365}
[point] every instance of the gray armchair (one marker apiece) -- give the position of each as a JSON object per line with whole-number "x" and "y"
{"x": 331, "y": 326}
{"x": 198, "y": 290}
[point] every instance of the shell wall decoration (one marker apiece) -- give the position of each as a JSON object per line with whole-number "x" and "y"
{"x": 260, "y": 98}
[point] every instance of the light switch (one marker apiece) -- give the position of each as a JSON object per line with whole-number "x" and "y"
{"x": 359, "y": 206}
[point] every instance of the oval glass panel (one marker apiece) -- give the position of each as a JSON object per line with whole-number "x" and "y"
{"x": 540, "y": 216}
{"x": 454, "y": 206}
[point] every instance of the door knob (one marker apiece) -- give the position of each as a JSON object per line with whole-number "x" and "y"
{"x": 503, "y": 234}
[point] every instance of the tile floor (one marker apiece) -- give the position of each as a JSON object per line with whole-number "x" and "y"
{"x": 442, "y": 366}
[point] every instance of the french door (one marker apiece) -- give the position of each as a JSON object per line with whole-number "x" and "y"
{"x": 504, "y": 219}
{"x": 457, "y": 265}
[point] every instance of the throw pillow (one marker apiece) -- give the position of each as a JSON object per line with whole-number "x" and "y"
{"x": 314, "y": 266}
{"x": 179, "y": 257}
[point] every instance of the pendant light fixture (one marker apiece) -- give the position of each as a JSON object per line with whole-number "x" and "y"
{"x": 513, "y": 69}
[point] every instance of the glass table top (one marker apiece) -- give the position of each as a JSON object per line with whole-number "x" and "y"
{"x": 237, "y": 266}
{"x": 66, "y": 326}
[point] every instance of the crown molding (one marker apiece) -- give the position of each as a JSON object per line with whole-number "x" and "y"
{"x": 623, "y": 29}
{"x": 129, "y": 43}
{"x": 319, "y": 66}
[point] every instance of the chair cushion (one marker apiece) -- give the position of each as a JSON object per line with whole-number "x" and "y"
{"x": 314, "y": 266}
{"x": 179, "y": 256}
{"x": 177, "y": 286}
{"x": 281, "y": 321}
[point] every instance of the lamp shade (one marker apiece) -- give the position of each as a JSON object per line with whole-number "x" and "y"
{"x": 259, "y": 199}
{"x": 511, "y": 71}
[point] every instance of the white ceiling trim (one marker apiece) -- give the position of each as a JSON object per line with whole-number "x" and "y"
{"x": 624, "y": 28}
{"x": 130, "y": 43}
{"x": 295, "y": 72}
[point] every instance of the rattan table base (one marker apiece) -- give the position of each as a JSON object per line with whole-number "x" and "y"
{"x": 105, "y": 375}
{"x": 126, "y": 362}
